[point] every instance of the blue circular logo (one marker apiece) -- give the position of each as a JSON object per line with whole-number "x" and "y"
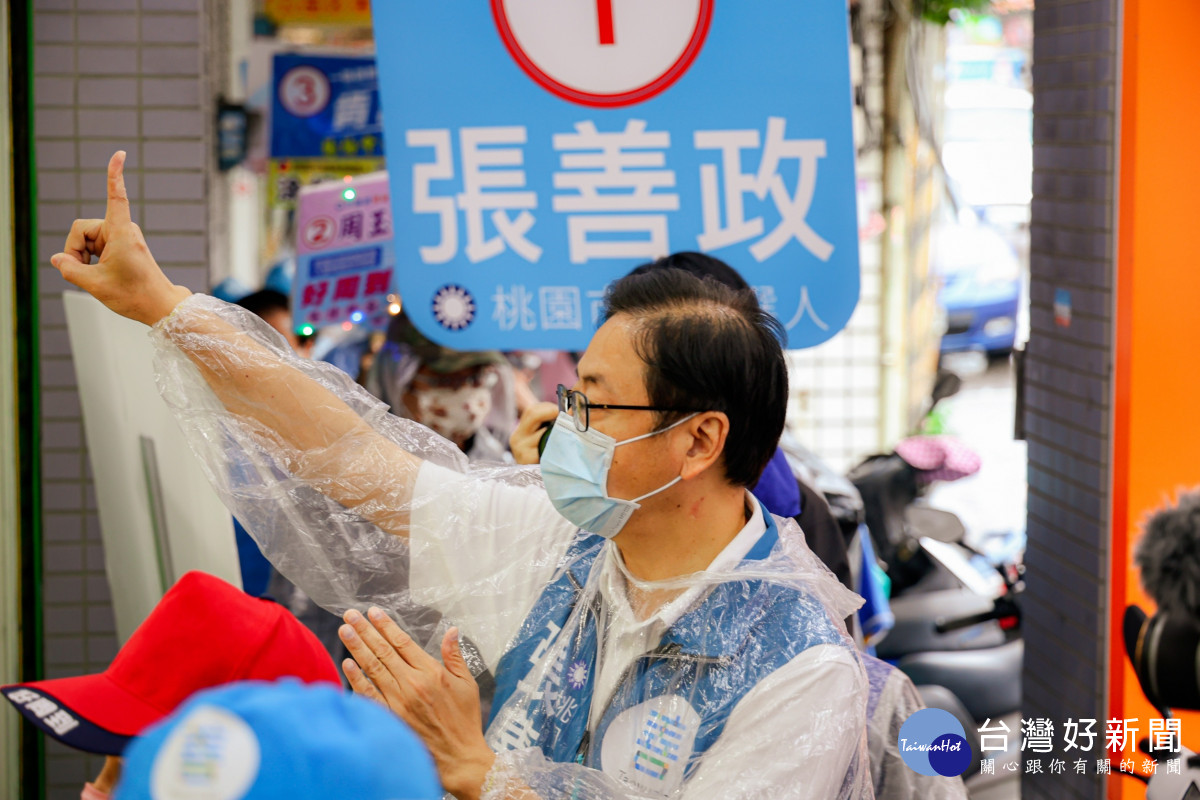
{"x": 453, "y": 307}
{"x": 933, "y": 742}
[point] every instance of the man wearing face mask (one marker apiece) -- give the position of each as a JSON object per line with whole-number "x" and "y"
{"x": 653, "y": 631}
{"x": 465, "y": 396}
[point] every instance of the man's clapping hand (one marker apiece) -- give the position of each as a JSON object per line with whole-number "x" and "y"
{"x": 438, "y": 700}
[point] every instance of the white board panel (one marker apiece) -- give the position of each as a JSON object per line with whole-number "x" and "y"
{"x": 159, "y": 517}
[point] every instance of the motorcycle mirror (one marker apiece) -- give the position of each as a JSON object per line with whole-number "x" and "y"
{"x": 935, "y": 523}
{"x": 947, "y": 384}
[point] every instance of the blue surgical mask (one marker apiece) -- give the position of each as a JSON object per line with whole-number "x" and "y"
{"x": 575, "y": 470}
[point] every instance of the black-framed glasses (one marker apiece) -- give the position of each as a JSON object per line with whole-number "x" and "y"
{"x": 575, "y": 403}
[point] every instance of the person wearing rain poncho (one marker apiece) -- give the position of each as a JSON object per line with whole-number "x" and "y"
{"x": 680, "y": 644}
{"x": 467, "y": 396}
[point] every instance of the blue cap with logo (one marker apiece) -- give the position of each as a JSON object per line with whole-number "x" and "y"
{"x": 278, "y": 741}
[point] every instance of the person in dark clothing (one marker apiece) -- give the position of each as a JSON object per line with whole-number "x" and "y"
{"x": 274, "y": 308}
{"x": 823, "y": 533}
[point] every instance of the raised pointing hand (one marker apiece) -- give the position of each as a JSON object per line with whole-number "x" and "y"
{"x": 126, "y": 278}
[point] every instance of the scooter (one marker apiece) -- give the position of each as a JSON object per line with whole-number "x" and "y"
{"x": 957, "y": 617}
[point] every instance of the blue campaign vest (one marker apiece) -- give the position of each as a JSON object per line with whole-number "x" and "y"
{"x": 712, "y": 656}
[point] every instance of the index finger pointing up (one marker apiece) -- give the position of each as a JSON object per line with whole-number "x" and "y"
{"x": 117, "y": 211}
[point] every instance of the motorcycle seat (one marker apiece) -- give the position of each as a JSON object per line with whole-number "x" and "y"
{"x": 988, "y": 682}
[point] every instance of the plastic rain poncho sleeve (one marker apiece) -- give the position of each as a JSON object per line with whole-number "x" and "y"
{"x": 750, "y": 689}
{"x": 315, "y": 468}
{"x": 892, "y": 700}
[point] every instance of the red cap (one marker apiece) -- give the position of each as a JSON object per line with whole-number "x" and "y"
{"x": 203, "y": 633}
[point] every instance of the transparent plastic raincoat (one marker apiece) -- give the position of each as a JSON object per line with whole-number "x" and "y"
{"x": 735, "y": 682}
{"x": 892, "y": 700}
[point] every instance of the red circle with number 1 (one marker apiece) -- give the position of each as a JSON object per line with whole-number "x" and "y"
{"x": 603, "y": 53}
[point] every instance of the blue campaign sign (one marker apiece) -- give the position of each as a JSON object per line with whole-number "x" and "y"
{"x": 326, "y": 106}
{"x": 543, "y": 148}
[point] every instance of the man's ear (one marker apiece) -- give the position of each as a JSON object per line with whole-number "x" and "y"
{"x": 708, "y": 432}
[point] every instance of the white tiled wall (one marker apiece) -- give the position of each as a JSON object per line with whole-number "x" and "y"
{"x": 109, "y": 75}
{"x": 834, "y": 407}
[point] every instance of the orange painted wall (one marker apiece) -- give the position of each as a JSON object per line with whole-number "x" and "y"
{"x": 1156, "y": 425}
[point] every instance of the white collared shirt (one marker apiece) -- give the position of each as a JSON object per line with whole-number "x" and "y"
{"x": 627, "y": 637}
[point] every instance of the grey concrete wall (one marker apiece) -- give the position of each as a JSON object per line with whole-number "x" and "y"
{"x": 1068, "y": 373}
{"x": 109, "y": 75}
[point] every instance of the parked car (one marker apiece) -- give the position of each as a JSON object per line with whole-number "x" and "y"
{"x": 987, "y": 149}
{"x": 981, "y": 279}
